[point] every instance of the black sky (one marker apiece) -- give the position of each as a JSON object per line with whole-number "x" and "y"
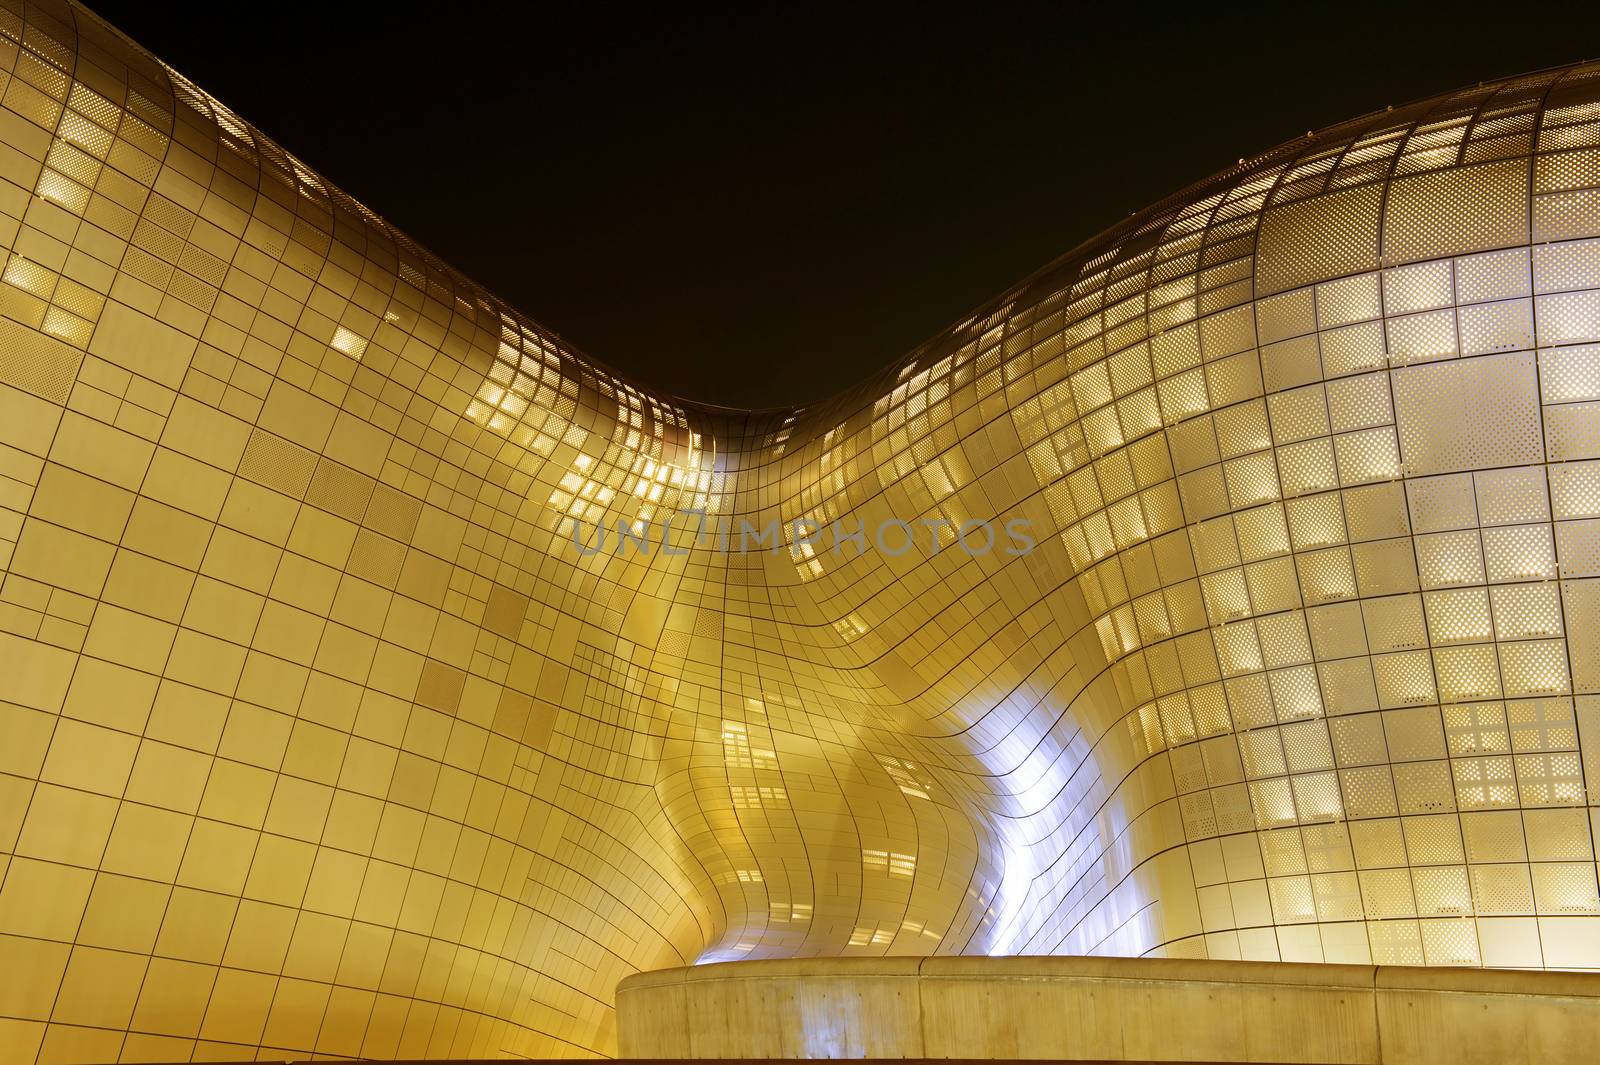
{"x": 760, "y": 205}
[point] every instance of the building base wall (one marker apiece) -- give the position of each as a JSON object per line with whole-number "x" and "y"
{"x": 1115, "y": 1009}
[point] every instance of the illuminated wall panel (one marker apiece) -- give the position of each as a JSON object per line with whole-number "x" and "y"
{"x": 319, "y": 734}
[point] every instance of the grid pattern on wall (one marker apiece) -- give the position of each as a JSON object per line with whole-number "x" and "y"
{"x": 318, "y": 735}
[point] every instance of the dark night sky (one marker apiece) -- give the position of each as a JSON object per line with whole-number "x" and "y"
{"x": 759, "y": 207}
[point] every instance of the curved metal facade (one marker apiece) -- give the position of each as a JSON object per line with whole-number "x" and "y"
{"x": 318, "y": 733}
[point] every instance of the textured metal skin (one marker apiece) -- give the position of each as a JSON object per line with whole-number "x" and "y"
{"x": 320, "y": 736}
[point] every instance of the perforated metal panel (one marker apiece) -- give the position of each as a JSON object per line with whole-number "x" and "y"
{"x": 1468, "y": 414}
{"x": 1451, "y": 212}
{"x": 320, "y": 736}
{"x": 1312, "y": 240}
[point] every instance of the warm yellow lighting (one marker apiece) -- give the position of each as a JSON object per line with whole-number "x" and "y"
{"x": 328, "y": 693}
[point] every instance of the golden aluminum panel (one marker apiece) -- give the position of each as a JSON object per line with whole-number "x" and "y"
{"x": 319, "y": 734}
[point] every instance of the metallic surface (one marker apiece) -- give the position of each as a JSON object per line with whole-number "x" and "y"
{"x": 318, "y": 735}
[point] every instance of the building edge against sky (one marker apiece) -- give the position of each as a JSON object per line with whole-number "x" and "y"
{"x": 319, "y": 736}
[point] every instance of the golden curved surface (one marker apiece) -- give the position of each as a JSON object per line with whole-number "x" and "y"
{"x": 319, "y": 735}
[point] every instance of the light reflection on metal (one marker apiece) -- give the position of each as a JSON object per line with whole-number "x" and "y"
{"x": 323, "y": 738}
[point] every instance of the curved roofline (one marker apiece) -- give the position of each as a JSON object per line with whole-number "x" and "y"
{"x": 1077, "y": 253}
{"x": 1112, "y": 233}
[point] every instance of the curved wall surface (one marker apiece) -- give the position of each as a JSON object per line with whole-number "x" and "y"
{"x": 319, "y": 734}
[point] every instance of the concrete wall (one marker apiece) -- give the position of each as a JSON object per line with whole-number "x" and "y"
{"x": 1110, "y": 1008}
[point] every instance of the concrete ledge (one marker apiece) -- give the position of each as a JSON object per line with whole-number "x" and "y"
{"x": 1113, "y": 1009}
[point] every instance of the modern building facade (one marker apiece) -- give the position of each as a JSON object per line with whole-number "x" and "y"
{"x": 320, "y": 734}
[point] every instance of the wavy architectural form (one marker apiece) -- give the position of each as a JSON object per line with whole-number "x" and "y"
{"x": 321, "y": 735}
